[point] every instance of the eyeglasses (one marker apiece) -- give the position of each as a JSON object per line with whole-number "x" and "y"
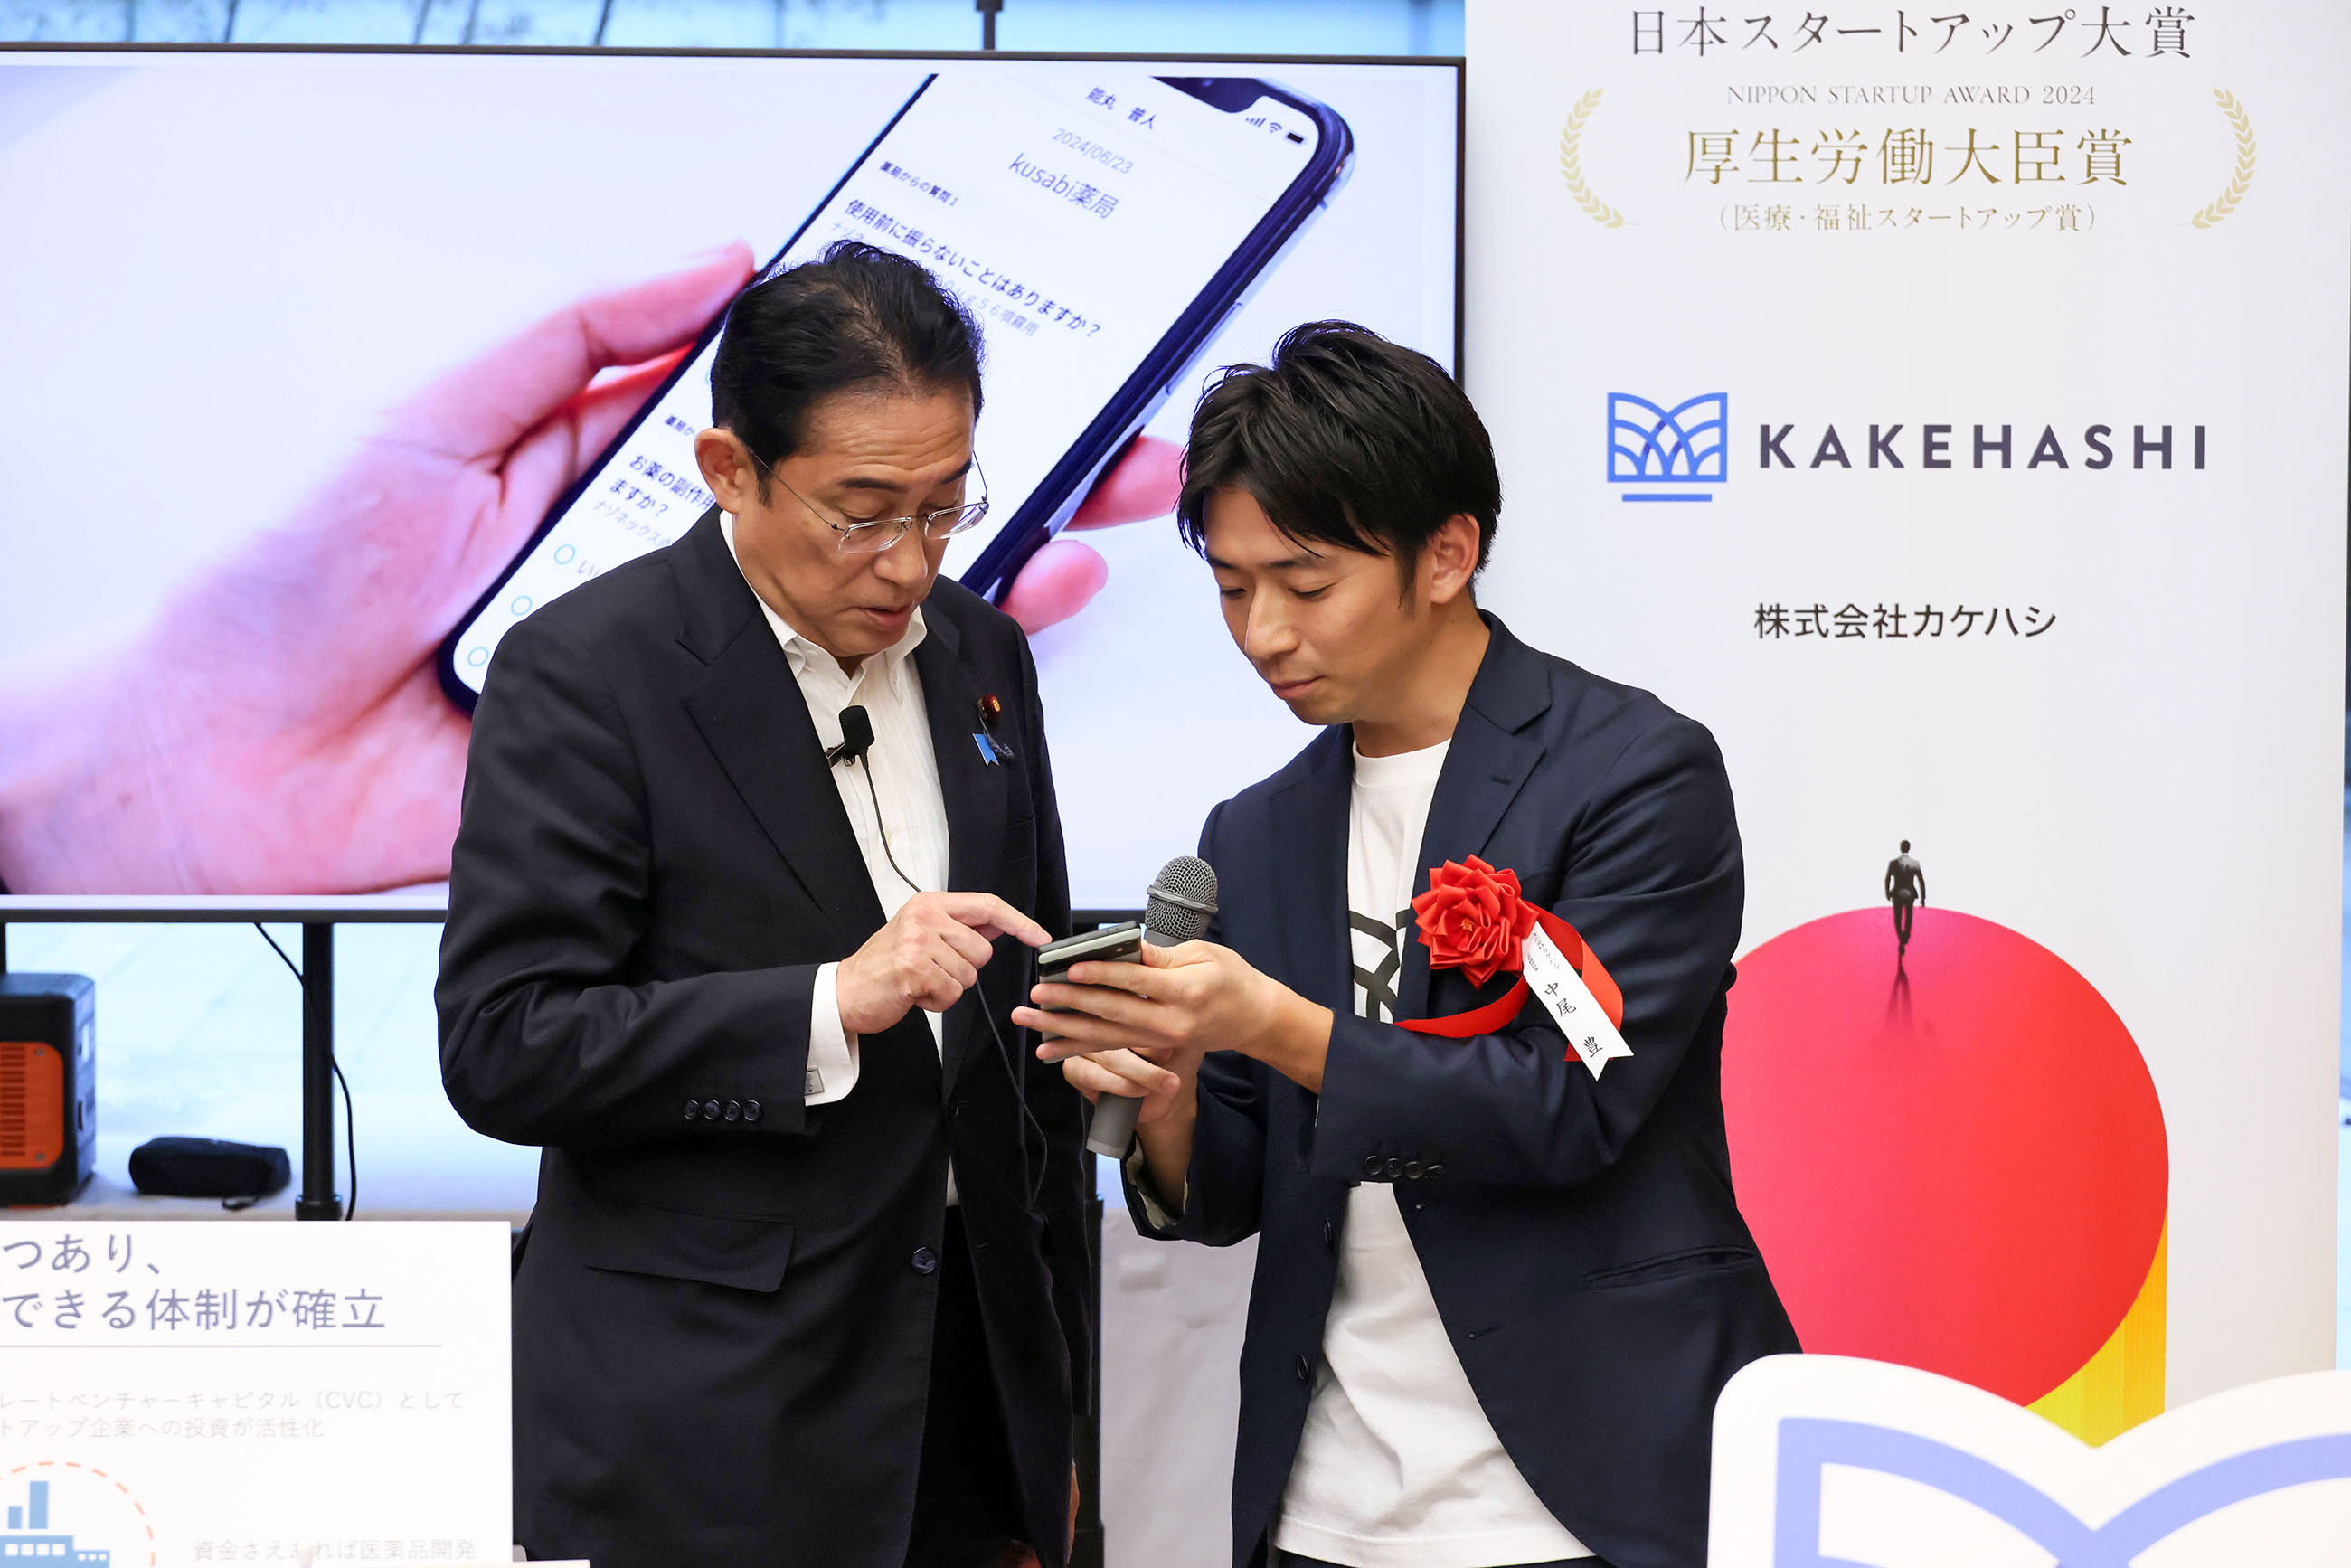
{"x": 874, "y": 534}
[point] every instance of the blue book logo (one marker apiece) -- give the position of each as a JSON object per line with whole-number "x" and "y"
{"x": 1657, "y": 451}
{"x": 1810, "y": 1446}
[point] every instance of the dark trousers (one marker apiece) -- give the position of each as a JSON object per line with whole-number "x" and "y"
{"x": 966, "y": 1509}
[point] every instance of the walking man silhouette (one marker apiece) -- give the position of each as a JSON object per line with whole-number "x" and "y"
{"x": 1905, "y": 885}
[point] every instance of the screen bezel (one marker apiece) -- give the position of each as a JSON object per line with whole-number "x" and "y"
{"x": 430, "y": 906}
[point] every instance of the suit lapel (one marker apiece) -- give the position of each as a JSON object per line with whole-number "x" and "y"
{"x": 1311, "y": 826}
{"x": 750, "y": 712}
{"x": 976, "y": 794}
{"x": 1489, "y": 762}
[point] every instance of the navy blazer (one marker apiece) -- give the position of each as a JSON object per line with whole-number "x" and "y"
{"x": 1580, "y": 1236}
{"x": 723, "y": 1320}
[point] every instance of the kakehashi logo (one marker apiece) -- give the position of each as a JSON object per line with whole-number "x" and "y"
{"x": 1938, "y": 446}
{"x": 1658, "y": 452}
{"x": 1682, "y": 452}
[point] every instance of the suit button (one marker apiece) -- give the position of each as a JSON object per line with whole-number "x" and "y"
{"x": 750, "y": 1110}
{"x": 1304, "y": 1368}
{"x": 955, "y": 1109}
{"x": 710, "y": 1109}
{"x": 1436, "y": 1170}
{"x": 1394, "y": 1168}
{"x": 1330, "y": 1234}
{"x": 733, "y": 1110}
{"x": 1414, "y": 1170}
{"x": 925, "y": 1261}
{"x": 693, "y": 1109}
{"x": 1372, "y": 1166}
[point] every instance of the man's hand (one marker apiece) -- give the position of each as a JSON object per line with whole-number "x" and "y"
{"x": 1161, "y": 1014}
{"x": 927, "y": 956}
{"x": 1162, "y": 1080}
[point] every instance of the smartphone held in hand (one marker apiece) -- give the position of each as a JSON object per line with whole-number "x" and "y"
{"x": 1113, "y": 944}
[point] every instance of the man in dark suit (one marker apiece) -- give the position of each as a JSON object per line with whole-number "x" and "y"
{"x": 804, "y": 1283}
{"x": 1497, "y": 1291}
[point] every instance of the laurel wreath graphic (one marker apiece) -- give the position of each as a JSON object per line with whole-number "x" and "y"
{"x": 2243, "y": 181}
{"x": 1570, "y": 165}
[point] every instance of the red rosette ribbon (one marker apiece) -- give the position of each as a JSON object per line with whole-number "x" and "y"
{"x": 1474, "y": 918}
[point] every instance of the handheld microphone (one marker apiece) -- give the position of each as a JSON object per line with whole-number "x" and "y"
{"x": 856, "y": 737}
{"x": 1177, "y": 909}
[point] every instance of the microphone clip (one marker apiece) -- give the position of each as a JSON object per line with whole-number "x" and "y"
{"x": 856, "y": 737}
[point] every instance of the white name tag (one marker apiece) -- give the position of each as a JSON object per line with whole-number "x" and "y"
{"x": 1556, "y": 983}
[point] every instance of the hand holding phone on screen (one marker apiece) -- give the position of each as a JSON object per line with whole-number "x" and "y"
{"x": 278, "y": 727}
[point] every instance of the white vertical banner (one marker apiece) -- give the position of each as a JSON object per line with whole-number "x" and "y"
{"x": 1947, "y": 406}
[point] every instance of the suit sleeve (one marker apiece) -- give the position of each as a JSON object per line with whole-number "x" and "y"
{"x": 549, "y": 897}
{"x": 1227, "y": 1180}
{"x": 1069, "y": 1169}
{"x": 1654, "y": 885}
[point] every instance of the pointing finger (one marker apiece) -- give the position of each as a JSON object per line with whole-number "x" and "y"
{"x": 991, "y": 917}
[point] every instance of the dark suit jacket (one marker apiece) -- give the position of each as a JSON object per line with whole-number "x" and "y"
{"x": 1579, "y": 1236}
{"x": 722, "y": 1328}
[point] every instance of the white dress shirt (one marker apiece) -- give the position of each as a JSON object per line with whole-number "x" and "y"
{"x": 912, "y": 828}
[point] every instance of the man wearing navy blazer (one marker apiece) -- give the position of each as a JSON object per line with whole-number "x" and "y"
{"x": 805, "y": 1284}
{"x": 1497, "y": 1293}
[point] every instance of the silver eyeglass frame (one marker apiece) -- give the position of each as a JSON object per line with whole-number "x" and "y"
{"x": 969, "y": 515}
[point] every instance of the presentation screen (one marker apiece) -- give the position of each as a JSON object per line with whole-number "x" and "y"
{"x": 326, "y": 369}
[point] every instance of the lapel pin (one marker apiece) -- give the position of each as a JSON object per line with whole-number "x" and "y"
{"x": 991, "y": 750}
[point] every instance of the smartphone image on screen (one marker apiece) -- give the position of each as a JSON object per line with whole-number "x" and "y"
{"x": 1098, "y": 222}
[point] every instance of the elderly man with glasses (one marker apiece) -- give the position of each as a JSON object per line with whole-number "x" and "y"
{"x": 757, "y": 832}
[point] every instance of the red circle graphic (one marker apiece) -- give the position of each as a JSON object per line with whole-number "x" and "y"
{"x": 1959, "y": 1165}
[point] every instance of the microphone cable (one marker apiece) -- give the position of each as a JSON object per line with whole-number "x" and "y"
{"x": 880, "y": 825}
{"x": 1032, "y": 1179}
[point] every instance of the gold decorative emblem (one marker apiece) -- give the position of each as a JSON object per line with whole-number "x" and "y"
{"x": 1570, "y": 167}
{"x": 2243, "y": 181}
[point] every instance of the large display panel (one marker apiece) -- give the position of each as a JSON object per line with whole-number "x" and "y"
{"x": 326, "y": 368}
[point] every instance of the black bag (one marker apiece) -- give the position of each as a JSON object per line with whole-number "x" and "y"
{"x": 208, "y": 1167}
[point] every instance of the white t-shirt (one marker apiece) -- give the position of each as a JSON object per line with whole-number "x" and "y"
{"x": 1398, "y": 1467}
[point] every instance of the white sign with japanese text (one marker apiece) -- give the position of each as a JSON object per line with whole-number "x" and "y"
{"x": 1947, "y": 407}
{"x": 186, "y": 1393}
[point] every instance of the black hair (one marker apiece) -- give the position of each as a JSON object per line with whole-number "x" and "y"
{"x": 1346, "y": 439}
{"x": 1905, "y": 846}
{"x": 857, "y": 319}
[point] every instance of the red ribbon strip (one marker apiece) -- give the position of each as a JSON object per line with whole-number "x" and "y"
{"x": 1496, "y": 1016}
